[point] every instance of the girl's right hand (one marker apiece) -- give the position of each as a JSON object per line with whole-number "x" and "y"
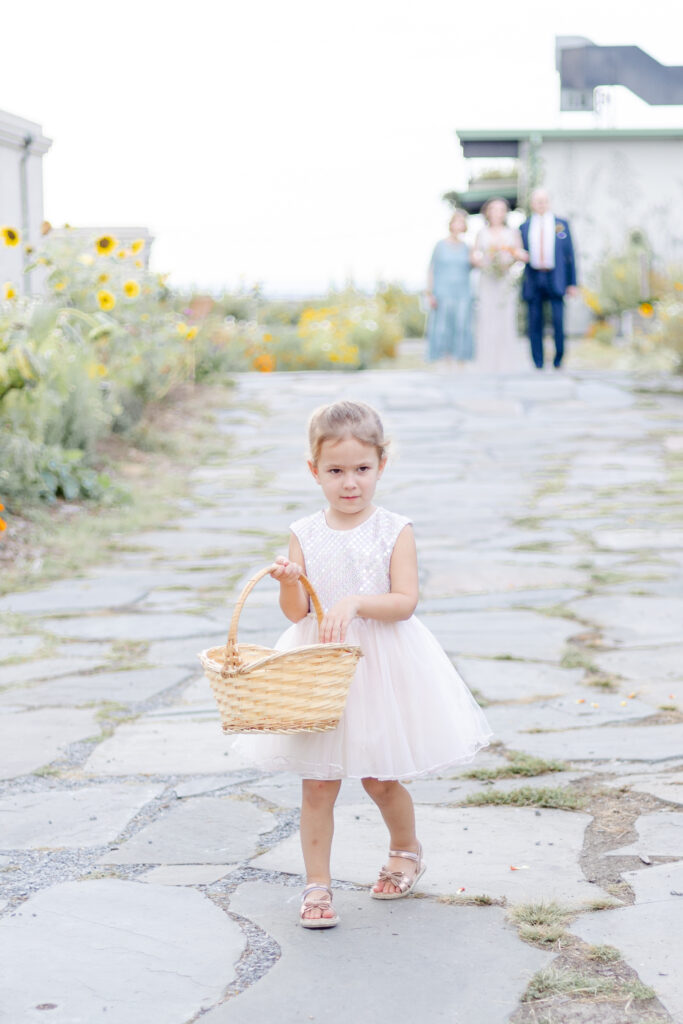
{"x": 285, "y": 572}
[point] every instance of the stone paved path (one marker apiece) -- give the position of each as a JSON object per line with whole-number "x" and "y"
{"x": 148, "y": 875}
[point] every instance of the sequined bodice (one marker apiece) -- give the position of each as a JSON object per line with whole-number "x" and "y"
{"x": 343, "y": 562}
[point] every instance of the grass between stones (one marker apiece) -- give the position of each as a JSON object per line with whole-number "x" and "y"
{"x": 520, "y": 764}
{"x": 581, "y": 976}
{"x": 553, "y": 981}
{"x": 530, "y": 796}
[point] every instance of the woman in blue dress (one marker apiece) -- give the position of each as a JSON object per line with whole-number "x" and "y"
{"x": 449, "y": 331}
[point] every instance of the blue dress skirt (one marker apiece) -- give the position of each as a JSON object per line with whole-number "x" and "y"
{"x": 449, "y": 331}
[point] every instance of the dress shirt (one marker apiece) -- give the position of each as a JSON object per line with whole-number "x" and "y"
{"x": 542, "y": 226}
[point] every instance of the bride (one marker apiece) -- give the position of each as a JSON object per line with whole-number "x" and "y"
{"x": 496, "y": 251}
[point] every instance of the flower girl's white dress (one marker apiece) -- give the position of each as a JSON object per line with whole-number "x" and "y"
{"x": 408, "y": 712}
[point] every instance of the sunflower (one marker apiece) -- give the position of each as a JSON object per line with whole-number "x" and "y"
{"x": 59, "y": 286}
{"x": 132, "y": 289}
{"x": 8, "y": 291}
{"x": 182, "y": 329}
{"x": 103, "y": 278}
{"x": 106, "y": 300}
{"x": 138, "y": 245}
{"x": 191, "y": 334}
{"x": 646, "y": 309}
{"x": 11, "y": 236}
{"x": 105, "y": 244}
{"x": 121, "y": 254}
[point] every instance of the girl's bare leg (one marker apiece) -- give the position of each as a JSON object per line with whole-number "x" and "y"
{"x": 317, "y": 828}
{"x": 396, "y": 807}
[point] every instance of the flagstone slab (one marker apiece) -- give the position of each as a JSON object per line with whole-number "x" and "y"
{"x": 87, "y": 816}
{"x": 516, "y": 680}
{"x": 658, "y": 882}
{"x": 172, "y": 746}
{"x": 637, "y": 540}
{"x": 474, "y": 847}
{"x": 203, "y": 830}
{"x": 645, "y": 664}
{"x": 31, "y": 739}
{"x": 184, "y": 652}
{"x": 186, "y": 874}
{"x": 45, "y": 668}
{"x": 520, "y": 634}
{"x": 632, "y": 617}
{"x": 19, "y": 646}
{"x": 633, "y": 742}
{"x": 75, "y": 595}
{"x": 665, "y": 786}
{"x": 446, "y": 970}
{"x": 583, "y": 706}
{"x": 659, "y": 835}
{"x": 118, "y": 951}
{"x": 650, "y": 938}
{"x": 143, "y": 626}
{"x": 121, "y": 687}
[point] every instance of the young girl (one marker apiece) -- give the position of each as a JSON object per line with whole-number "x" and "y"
{"x": 408, "y": 712}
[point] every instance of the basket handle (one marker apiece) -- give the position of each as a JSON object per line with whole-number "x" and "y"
{"x": 232, "y": 658}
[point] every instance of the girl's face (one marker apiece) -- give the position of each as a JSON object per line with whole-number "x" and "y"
{"x": 348, "y": 471}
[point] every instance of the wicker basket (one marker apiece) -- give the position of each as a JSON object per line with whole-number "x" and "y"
{"x": 261, "y": 690}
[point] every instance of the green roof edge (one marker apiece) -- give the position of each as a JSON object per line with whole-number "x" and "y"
{"x": 511, "y": 135}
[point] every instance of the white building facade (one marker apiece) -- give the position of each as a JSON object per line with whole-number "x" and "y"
{"x": 22, "y": 148}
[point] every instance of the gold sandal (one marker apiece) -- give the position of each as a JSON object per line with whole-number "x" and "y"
{"x": 404, "y": 883}
{"x": 322, "y": 904}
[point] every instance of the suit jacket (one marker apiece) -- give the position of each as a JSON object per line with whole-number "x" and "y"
{"x": 564, "y": 273}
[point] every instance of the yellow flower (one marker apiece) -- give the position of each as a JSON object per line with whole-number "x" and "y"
{"x": 121, "y": 254}
{"x": 132, "y": 289}
{"x": 139, "y": 263}
{"x": 59, "y": 286}
{"x": 191, "y": 334}
{"x": 105, "y": 244}
{"x": 97, "y": 370}
{"x": 267, "y": 337}
{"x": 10, "y": 235}
{"x": 103, "y": 278}
{"x": 8, "y": 291}
{"x": 678, "y": 285}
{"x": 106, "y": 300}
{"x": 28, "y": 249}
{"x": 182, "y": 329}
{"x": 138, "y": 245}
{"x": 145, "y": 316}
{"x": 646, "y": 309}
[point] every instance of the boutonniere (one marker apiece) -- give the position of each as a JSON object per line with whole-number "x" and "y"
{"x": 560, "y": 229}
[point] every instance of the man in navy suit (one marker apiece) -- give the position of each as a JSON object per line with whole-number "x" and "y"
{"x": 549, "y": 275}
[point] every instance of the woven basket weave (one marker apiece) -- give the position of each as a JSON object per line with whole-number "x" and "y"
{"x": 261, "y": 690}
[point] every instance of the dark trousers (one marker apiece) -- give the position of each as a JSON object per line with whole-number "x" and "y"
{"x": 541, "y": 296}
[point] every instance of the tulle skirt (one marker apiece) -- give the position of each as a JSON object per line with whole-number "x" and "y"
{"x": 408, "y": 714}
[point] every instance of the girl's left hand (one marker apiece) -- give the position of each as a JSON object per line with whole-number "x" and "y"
{"x": 336, "y": 621}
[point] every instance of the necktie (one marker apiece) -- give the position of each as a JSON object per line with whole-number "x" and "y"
{"x": 541, "y": 252}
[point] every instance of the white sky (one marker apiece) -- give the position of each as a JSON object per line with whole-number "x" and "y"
{"x": 293, "y": 142}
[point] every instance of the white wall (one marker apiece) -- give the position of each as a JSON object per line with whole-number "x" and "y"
{"x": 607, "y": 187}
{"x": 13, "y": 133}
